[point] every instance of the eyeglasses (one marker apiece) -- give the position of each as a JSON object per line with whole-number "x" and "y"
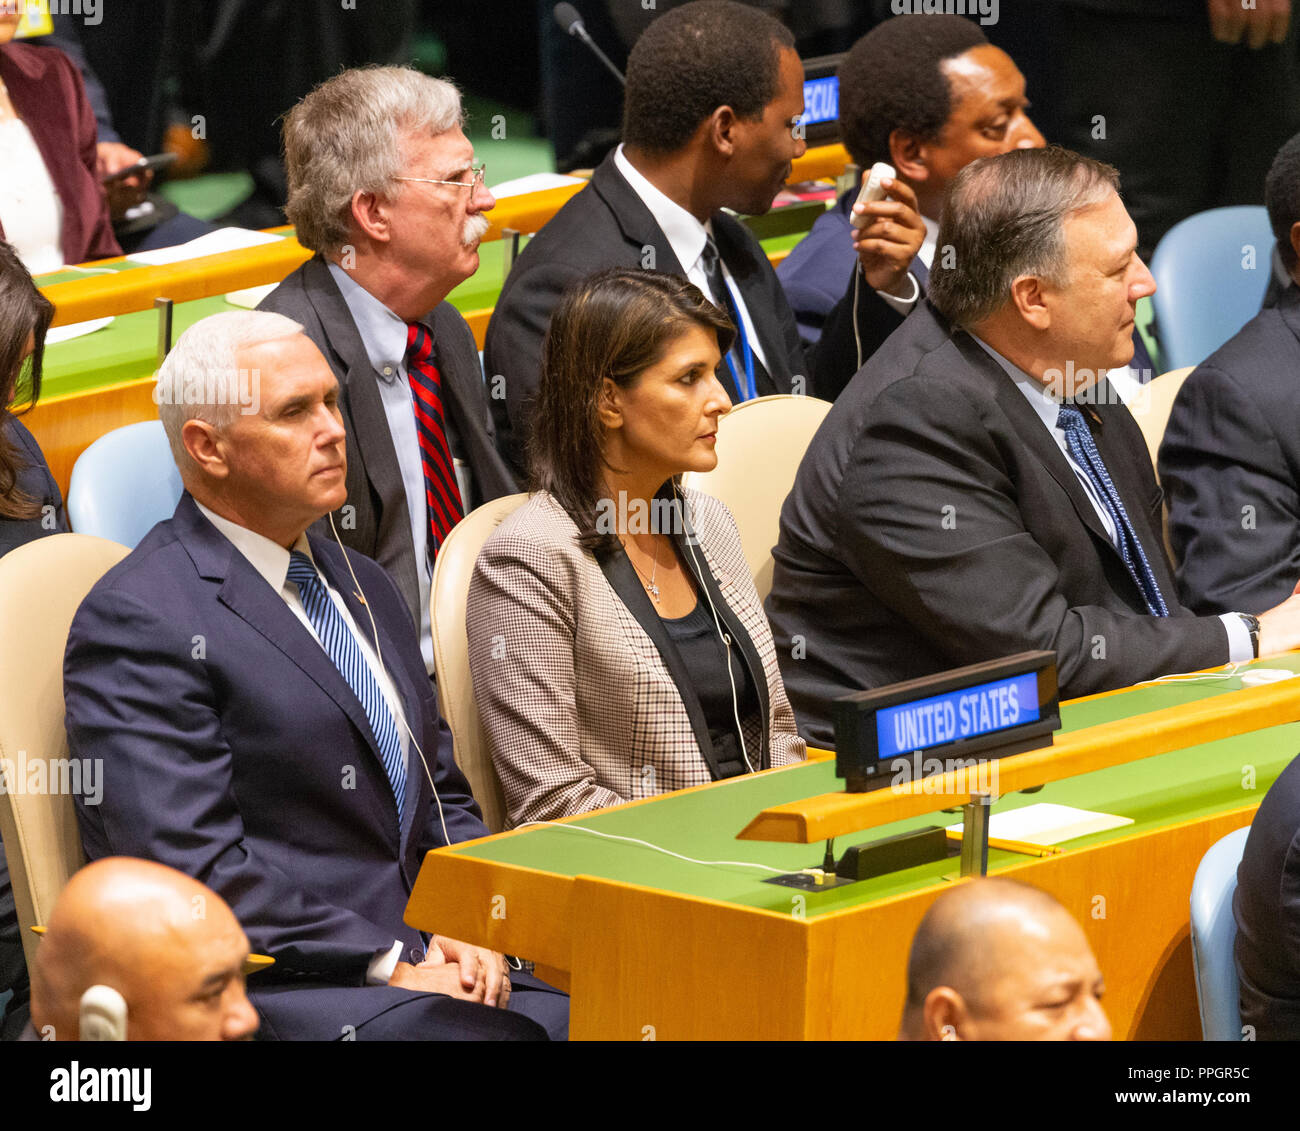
{"x": 473, "y": 184}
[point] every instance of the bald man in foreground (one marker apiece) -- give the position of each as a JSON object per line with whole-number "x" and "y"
{"x": 169, "y": 946}
{"x": 996, "y": 960}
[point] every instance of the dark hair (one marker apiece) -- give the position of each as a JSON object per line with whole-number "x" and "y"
{"x": 692, "y": 60}
{"x": 890, "y": 80}
{"x": 1282, "y": 197}
{"x": 614, "y": 324}
{"x": 24, "y": 313}
{"x": 1004, "y": 217}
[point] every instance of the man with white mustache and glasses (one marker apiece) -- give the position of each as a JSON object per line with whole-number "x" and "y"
{"x": 384, "y": 189}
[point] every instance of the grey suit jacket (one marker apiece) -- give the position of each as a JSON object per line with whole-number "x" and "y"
{"x": 379, "y": 524}
{"x": 579, "y": 704}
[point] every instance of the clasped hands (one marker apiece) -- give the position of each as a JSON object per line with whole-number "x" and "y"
{"x": 454, "y": 968}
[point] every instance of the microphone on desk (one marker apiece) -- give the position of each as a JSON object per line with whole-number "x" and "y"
{"x": 566, "y": 15}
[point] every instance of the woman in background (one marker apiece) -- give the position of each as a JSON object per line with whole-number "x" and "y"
{"x": 617, "y": 644}
{"x": 52, "y": 206}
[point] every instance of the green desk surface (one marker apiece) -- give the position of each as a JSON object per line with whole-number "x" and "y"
{"x": 126, "y": 350}
{"x": 1155, "y": 792}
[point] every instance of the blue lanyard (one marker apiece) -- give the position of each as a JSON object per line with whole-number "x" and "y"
{"x": 748, "y": 391}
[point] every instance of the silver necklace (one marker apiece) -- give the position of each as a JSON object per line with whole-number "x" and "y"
{"x": 650, "y": 585}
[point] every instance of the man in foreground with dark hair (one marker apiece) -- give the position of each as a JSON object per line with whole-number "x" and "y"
{"x": 979, "y": 490}
{"x": 714, "y": 94}
{"x": 997, "y": 960}
{"x": 1230, "y": 459}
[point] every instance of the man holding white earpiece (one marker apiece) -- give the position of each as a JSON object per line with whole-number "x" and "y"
{"x": 266, "y": 725}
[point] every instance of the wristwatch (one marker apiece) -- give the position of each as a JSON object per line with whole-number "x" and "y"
{"x": 1252, "y": 626}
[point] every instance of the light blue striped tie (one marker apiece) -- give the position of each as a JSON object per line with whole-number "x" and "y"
{"x": 344, "y": 650}
{"x": 1084, "y": 450}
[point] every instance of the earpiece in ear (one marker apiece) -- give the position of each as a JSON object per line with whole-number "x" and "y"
{"x": 102, "y": 1015}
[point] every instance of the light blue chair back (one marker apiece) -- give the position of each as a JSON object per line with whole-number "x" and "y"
{"x": 123, "y": 484}
{"x": 1213, "y": 933}
{"x": 1207, "y": 288}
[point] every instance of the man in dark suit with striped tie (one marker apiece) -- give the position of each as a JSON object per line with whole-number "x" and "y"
{"x": 979, "y": 489}
{"x": 264, "y": 720}
{"x": 384, "y": 189}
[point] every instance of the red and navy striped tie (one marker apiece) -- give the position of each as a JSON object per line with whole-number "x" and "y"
{"x": 441, "y": 492}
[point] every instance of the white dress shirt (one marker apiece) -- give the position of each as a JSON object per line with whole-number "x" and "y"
{"x": 383, "y": 335}
{"x": 686, "y": 236}
{"x": 30, "y": 208}
{"x": 1047, "y": 408}
{"x": 271, "y": 561}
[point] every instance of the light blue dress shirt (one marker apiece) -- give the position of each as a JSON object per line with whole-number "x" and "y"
{"x": 384, "y": 336}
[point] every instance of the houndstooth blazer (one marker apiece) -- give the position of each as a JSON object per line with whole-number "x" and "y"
{"x": 580, "y": 709}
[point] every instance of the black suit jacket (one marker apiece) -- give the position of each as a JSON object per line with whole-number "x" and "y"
{"x": 608, "y": 225}
{"x": 1267, "y": 909}
{"x": 935, "y": 523}
{"x": 379, "y": 526}
{"x": 234, "y": 750}
{"x": 1230, "y": 464}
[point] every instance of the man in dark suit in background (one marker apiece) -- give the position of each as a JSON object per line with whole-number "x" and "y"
{"x": 978, "y": 489}
{"x": 928, "y": 95}
{"x": 383, "y": 188}
{"x": 1230, "y": 459}
{"x": 264, "y": 719}
{"x": 714, "y": 92}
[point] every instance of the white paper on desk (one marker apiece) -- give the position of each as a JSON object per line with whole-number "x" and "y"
{"x": 534, "y": 182}
{"x": 249, "y": 297}
{"x": 56, "y": 334}
{"x": 1047, "y": 824}
{"x": 223, "y": 239}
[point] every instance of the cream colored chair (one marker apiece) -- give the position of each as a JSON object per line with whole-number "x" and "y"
{"x": 1151, "y": 408}
{"x": 760, "y": 445}
{"x": 41, "y": 586}
{"x": 450, "y": 590}
{"x": 1153, "y": 404}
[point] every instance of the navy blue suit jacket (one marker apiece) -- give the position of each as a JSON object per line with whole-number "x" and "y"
{"x": 1266, "y": 906}
{"x": 234, "y": 750}
{"x": 1232, "y": 443}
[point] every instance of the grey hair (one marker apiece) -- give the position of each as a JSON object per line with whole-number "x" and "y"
{"x": 201, "y": 380}
{"x": 345, "y": 137}
{"x": 1003, "y": 218}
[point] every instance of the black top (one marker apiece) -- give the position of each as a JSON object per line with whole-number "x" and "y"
{"x": 705, "y": 656}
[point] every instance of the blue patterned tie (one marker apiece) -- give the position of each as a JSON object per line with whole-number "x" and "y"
{"x": 1084, "y": 450}
{"x": 344, "y": 650}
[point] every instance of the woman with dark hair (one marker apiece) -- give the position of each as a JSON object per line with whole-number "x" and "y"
{"x": 30, "y": 503}
{"x": 30, "y": 506}
{"x": 617, "y": 644}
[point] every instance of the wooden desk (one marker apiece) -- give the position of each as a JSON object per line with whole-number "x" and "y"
{"x": 655, "y": 946}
